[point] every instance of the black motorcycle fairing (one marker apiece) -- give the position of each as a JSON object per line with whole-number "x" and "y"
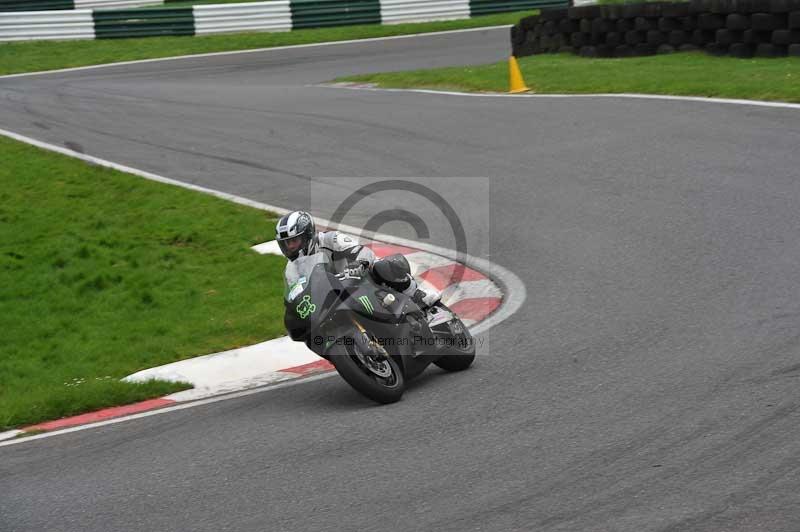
{"x": 327, "y": 310}
{"x": 313, "y": 310}
{"x": 360, "y": 294}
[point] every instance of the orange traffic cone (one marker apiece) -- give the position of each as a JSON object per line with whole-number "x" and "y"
{"x": 515, "y": 77}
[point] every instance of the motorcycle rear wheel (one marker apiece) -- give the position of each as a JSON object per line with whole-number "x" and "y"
{"x": 384, "y": 384}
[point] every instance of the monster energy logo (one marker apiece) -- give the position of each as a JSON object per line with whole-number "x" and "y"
{"x": 367, "y": 304}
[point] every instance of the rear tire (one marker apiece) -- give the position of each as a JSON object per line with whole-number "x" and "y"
{"x": 352, "y": 370}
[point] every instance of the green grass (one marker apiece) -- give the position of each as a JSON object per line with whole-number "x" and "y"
{"x": 35, "y": 56}
{"x": 687, "y": 74}
{"x": 104, "y": 274}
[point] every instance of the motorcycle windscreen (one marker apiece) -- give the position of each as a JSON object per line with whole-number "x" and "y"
{"x": 298, "y": 272}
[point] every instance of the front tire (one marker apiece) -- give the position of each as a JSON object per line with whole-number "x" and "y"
{"x": 456, "y": 361}
{"x": 382, "y": 389}
{"x": 461, "y": 357}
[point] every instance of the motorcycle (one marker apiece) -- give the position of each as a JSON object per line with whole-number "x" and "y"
{"x": 376, "y": 338}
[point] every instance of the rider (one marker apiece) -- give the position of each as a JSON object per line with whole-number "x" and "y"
{"x": 297, "y": 237}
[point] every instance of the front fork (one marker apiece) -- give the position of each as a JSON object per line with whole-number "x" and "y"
{"x": 369, "y": 345}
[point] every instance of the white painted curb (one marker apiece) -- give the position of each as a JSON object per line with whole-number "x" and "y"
{"x": 274, "y": 360}
{"x": 231, "y": 371}
{"x": 9, "y": 434}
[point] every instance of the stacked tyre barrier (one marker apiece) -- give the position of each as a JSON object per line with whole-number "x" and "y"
{"x": 275, "y": 15}
{"x": 740, "y": 28}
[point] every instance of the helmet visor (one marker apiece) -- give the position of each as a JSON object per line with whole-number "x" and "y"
{"x": 291, "y": 246}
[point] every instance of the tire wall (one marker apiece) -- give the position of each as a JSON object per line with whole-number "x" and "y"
{"x": 740, "y": 28}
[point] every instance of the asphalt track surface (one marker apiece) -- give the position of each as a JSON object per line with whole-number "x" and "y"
{"x": 648, "y": 383}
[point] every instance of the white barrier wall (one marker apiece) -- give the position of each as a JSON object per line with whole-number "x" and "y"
{"x": 399, "y": 11}
{"x": 46, "y": 25}
{"x": 113, "y": 19}
{"x": 262, "y": 16}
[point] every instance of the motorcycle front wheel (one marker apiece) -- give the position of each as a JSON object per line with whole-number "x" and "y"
{"x": 377, "y": 377}
{"x": 462, "y": 353}
{"x": 458, "y": 360}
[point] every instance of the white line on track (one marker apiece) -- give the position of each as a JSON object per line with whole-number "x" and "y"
{"x": 701, "y": 99}
{"x": 513, "y": 288}
{"x": 9, "y": 434}
{"x": 253, "y": 51}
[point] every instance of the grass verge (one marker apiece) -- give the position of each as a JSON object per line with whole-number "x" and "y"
{"x": 35, "y": 56}
{"x": 686, "y": 74}
{"x": 105, "y": 274}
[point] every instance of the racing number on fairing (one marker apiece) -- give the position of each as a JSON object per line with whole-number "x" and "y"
{"x": 306, "y": 307}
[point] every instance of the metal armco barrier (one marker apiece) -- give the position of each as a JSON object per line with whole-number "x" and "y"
{"x": 486, "y": 7}
{"x": 274, "y": 15}
{"x": 260, "y": 16}
{"x": 35, "y": 5}
{"x": 119, "y": 23}
{"x": 322, "y": 13}
{"x": 50, "y": 5}
{"x": 104, "y": 4}
{"x": 46, "y": 25}
{"x": 399, "y": 11}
